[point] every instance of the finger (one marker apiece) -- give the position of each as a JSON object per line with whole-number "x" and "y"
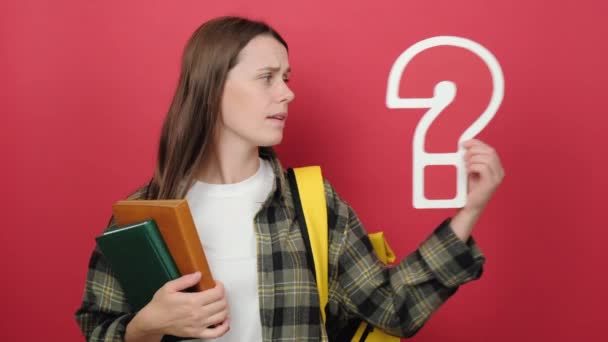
{"x": 217, "y": 318}
{"x": 217, "y": 331}
{"x": 214, "y": 309}
{"x": 479, "y": 158}
{"x": 492, "y": 161}
{"x": 477, "y": 150}
{"x": 211, "y": 295}
{"x": 480, "y": 149}
{"x": 473, "y": 142}
{"x": 183, "y": 282}
{"x": 475, "y": 146}
{"x": 481, "y": 169}
{"x": 470, "y": 143}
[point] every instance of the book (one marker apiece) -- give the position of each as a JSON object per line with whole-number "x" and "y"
{"x": 140, "y": 259}
{"x": 177, "y": 228}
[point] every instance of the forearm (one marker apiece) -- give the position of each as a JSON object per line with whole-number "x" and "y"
{"x": 136, "y": 333}
{"x": 463, "y": 223}
{"x": 405, "y": 296}
{"x": 97, "y": 326}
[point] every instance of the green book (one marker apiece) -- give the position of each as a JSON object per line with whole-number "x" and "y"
{"x": 140, "y": 259}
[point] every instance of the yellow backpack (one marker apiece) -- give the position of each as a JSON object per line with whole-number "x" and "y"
{"x": 309, "y": 197}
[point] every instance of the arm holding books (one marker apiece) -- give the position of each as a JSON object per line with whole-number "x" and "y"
{"x": 172, "y": 312}
{"x": 106, "y": 314}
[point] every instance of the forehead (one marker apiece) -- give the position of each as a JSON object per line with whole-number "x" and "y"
{"x": 264, "y": 51}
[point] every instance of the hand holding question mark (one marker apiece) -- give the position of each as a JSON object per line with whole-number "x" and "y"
{"x": 444, "y": 94}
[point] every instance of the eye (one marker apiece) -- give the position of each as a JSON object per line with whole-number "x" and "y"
{"x": 267, "y": 78}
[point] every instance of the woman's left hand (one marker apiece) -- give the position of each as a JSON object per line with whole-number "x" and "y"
{"x": 484, "y": 173}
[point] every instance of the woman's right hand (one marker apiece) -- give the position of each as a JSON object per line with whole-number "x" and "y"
{"x": 187, "y": 314}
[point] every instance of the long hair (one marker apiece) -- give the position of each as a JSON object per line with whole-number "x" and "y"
{"x": 187, "y": 133}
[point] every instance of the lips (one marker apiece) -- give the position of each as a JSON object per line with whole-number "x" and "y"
{"x": 280, "y": 116}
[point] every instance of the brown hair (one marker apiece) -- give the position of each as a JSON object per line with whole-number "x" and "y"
{"x": 211, "y": 52}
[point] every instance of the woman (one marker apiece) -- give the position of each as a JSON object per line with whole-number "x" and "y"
{"x": 229, "y": 109}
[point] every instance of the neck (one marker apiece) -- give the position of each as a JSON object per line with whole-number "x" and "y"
{"x": 229, "y": 163}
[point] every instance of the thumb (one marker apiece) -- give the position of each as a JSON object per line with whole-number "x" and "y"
{"x": 183, "y": 282}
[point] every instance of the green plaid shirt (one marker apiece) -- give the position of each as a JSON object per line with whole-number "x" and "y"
{"x": 399, "y": 299}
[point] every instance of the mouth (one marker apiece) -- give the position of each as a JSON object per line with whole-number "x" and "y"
{"x": 278, "y": 116}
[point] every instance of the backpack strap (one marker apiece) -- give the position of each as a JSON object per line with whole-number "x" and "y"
{"x": 308, "y": 193}
{"x": 309, "y": 196}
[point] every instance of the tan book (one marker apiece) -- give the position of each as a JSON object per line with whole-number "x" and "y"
{"x": 175, "y": 223}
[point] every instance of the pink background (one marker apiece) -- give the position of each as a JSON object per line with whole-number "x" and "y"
{"x": 86, "y": 84}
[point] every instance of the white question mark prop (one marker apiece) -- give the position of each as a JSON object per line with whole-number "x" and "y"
{"x": 445, "y": 92}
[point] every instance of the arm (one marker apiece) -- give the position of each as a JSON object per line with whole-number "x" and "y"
{"x": 401, "y": 299}
{"x": 398, "y": 299}
{"x": 104, "y": 313}
{"x": 485, "y": 173}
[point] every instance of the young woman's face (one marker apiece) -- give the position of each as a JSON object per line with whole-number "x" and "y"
{"x": 256, "y": 95}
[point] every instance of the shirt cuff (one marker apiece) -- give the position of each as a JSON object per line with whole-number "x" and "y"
{"x": 451, "y": 260}
{"x": 118, "y": 328}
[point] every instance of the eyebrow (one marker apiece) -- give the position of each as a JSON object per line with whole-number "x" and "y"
{"x": 275, "y": 69}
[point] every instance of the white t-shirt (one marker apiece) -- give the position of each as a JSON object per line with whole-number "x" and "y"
{"x": 224, "y": 218}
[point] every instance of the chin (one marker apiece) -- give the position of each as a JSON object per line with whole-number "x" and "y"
{"x": 271, "y": 142}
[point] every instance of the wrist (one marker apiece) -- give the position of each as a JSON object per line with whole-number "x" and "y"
{"x": 463, "y": 222}
{"x": 137, "y": 330}
{"x": 472, "y": 214}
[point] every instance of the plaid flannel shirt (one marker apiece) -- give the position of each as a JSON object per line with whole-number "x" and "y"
{"x": 399, "y": 299}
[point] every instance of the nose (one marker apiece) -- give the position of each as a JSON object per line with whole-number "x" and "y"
{"x": 287, "y": 95}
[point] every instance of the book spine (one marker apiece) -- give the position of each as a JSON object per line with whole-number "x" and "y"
{"x": 196, "y": 254}
{"x": 162, "y": 252}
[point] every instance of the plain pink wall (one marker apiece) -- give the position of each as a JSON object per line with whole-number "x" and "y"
{"x": 85, "y": 86}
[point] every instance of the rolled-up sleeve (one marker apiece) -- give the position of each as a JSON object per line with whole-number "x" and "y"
{"x": 104, "y": 313}
{"x": 452, "y": 261}
{"x": 401, "y": 298}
